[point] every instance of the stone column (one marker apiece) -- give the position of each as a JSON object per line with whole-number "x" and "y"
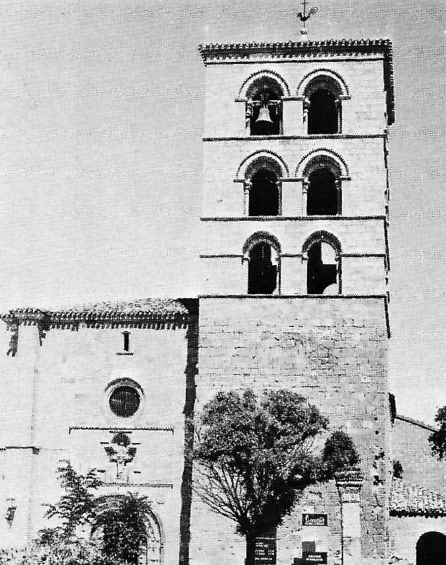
{"x": 279, "y": 192}
{"x": 349, "y": 483}
{"x": 306, "y": 109}
{"x": 305, "y": 187}
{"x": 339, "y": 109}
{"x": 246, "y": 188}
{"x": 338, "y": 184}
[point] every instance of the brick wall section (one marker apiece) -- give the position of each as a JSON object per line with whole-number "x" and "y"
{"x": 411, "y": 447}
{"x": 334, "y": 352}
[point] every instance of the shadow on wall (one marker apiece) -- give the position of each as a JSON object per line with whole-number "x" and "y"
{"x": 186, "y": 484}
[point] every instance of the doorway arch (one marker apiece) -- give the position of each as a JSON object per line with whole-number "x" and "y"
{"x": 431, "y": 549}
{"x": 151, "y": 548}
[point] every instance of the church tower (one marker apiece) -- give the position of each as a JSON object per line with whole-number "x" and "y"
{"x": 294, "y": 262}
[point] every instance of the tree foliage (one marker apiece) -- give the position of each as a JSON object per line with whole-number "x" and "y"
{"x": 76, "y": 506}
{"x": 59, "y": 552}
{"x": 437, "y": 439}
{"x": 120, "y": 527}
{"x": 255, "y": 458}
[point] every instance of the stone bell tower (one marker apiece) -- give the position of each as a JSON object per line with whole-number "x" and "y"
{"x": 294, "y": 260}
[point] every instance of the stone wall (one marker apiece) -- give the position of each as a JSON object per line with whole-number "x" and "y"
{"x": 334, "y": 352}
{"x": 58, "y": 390}
{"x": 362, "y": 195}
{"x": 362, "y": 114}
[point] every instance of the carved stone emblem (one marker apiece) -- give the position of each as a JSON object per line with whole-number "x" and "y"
{"x": 121, "y": 452}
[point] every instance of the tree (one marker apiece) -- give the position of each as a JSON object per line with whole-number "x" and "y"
{"x": 254, "y": 459}
{"x": 122, "y": 527}
{"x": 76, "y": 506}
{"x": 437, "y": 439}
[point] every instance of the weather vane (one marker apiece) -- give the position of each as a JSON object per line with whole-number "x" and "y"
{"x": 305, "y": 15}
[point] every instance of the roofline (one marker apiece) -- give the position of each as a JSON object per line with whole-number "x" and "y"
{"x": 97, "y": 318}
{"x": 415, "y": 422}
{"x": 225, "y": 52}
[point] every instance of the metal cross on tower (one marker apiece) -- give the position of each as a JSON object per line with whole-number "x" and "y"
{"x": 305, "y": 15}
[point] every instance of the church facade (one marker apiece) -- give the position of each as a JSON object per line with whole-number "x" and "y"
{"x": 294, "y": 265}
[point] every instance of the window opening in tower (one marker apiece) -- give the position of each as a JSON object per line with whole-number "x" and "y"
{"x": 262, "y": 274}
{"x": 322, "y": 269}
{"x": 322, "y": 197}
{"x": 323, "y": 112}
{"x": 266, "y": 113}
{"x": 264, "y": 194}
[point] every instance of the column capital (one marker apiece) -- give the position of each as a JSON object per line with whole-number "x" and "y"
{"x": 349, "y": 484}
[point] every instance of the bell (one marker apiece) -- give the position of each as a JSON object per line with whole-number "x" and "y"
{"x": 264, "y": 115}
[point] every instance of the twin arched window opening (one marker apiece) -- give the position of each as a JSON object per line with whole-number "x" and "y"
{"x": 322, "y": 106}
{"x": 321, "y": 186}
{"x": 321, "y": 252}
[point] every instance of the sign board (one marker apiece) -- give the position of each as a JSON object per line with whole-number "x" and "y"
{"x": 265, "y": 550}
{"x": 314, "y": 519}
{"x": 319, "y": 557}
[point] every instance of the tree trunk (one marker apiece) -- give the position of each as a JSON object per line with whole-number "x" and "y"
{"x": 250, "y": 549}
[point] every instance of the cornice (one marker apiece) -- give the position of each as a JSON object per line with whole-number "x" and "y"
{"x": 213, "y": 51}
{"x": 147, "y": 313}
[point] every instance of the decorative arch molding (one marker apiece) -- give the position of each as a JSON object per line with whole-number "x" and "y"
{"x": 153, "y": 525}
{"x": 262, "y": 159}
{"x": 260, "y": 237}
{"x": 243, "y": 92}
{"x": 319, "y": 158}
{"x": 323, "y": 77}
{"x": 324, "y": 237}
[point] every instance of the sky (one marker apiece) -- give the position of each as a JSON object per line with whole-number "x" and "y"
{"x": 101, "y": 115}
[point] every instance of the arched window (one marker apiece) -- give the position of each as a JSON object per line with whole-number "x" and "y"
{"x": 431, "y": 549}
{"x": 323, "y": 105}
{"x": 323, "y": 264}
{"x": 262, "y": 185}
{"x": 264, "y": 106}
{"x": 264, "y": 194}
{"x": 262, "y": 252}
{"x": 323, "y": 192}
